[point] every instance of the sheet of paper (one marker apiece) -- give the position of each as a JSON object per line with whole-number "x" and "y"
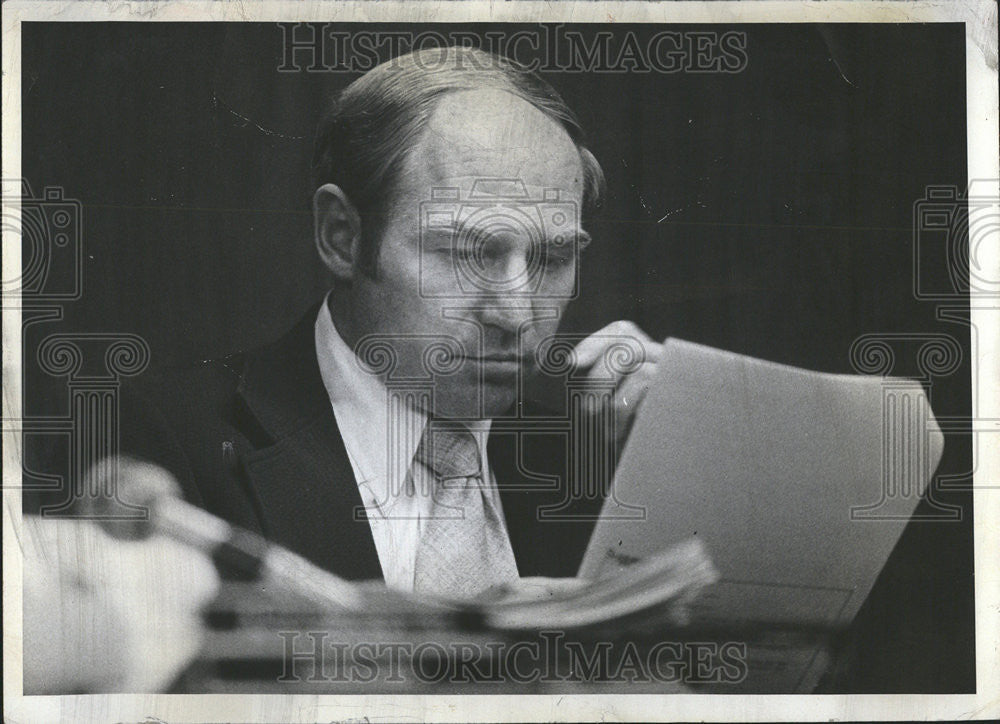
{"x": 799, "y": 483}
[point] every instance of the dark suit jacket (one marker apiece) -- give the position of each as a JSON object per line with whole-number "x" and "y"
{"x": 252, "y": 438}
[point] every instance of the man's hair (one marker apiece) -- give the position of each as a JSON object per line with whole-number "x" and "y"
{"x": 364, "y": 137}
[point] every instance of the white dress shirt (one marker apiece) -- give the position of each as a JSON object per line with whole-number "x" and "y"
{"x": 397, "y": 507}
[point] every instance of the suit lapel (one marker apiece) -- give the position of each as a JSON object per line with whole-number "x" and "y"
{"x": 304, "y": 481}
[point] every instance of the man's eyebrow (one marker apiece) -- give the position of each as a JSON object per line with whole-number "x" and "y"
{"x": 451, "y": 229}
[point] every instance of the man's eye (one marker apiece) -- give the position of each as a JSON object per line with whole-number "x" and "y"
{"x": 463, "y": 255}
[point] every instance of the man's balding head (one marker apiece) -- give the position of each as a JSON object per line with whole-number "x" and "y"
{"x": 371, "y": 127}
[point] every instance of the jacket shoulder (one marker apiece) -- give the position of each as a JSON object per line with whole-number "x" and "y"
{"x": 184, "y": 418}
{"x": 205, "y": 380}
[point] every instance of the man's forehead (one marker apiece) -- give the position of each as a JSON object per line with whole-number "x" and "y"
{"x": 493, "y": 134}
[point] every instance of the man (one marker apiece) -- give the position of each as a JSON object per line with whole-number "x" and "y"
{"x": 390, "y": 435}
{"x": 326, "y": 447}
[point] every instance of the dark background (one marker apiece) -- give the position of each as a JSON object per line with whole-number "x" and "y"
{"x": 788, "y": 191}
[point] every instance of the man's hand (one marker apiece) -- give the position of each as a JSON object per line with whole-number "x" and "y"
{"x": 108, "y": 615}
{"x": 608, "y": 355}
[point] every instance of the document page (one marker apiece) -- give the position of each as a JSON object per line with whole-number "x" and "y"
{"x": 798, "y": 483}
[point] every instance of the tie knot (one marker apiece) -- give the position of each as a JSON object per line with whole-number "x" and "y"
{"x": 449, "y": 453}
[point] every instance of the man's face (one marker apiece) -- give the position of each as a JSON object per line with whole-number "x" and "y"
{"x": 478, "y": 267}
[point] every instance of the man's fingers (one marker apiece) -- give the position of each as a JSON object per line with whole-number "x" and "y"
{"x": 624, "y": 358}
{"x": 627, "y": 390}
{"x": 593, "y": 348}
{"x": 632, "y": 388}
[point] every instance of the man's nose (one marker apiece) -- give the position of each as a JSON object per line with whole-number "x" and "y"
{"x": 507, "y": 312}
{"x": 508, "y": 304}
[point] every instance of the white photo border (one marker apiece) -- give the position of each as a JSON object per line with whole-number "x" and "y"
{"x": 980, "y": 19}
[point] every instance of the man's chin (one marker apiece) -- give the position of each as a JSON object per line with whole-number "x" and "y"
{"x": 477, "y": 402}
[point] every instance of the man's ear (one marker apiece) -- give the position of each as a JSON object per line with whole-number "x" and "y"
{"x": 337, "y": 227}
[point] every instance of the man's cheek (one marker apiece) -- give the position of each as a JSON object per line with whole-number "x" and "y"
{"x": 547, "y": 318}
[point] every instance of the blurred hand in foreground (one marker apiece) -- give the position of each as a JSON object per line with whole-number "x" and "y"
{"x": 108, "y": 615}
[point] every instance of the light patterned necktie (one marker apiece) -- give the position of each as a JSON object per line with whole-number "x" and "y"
{"x": 464, "y": 548}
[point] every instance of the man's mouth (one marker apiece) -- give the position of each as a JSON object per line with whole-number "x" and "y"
{"x": 499, "y": 362}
